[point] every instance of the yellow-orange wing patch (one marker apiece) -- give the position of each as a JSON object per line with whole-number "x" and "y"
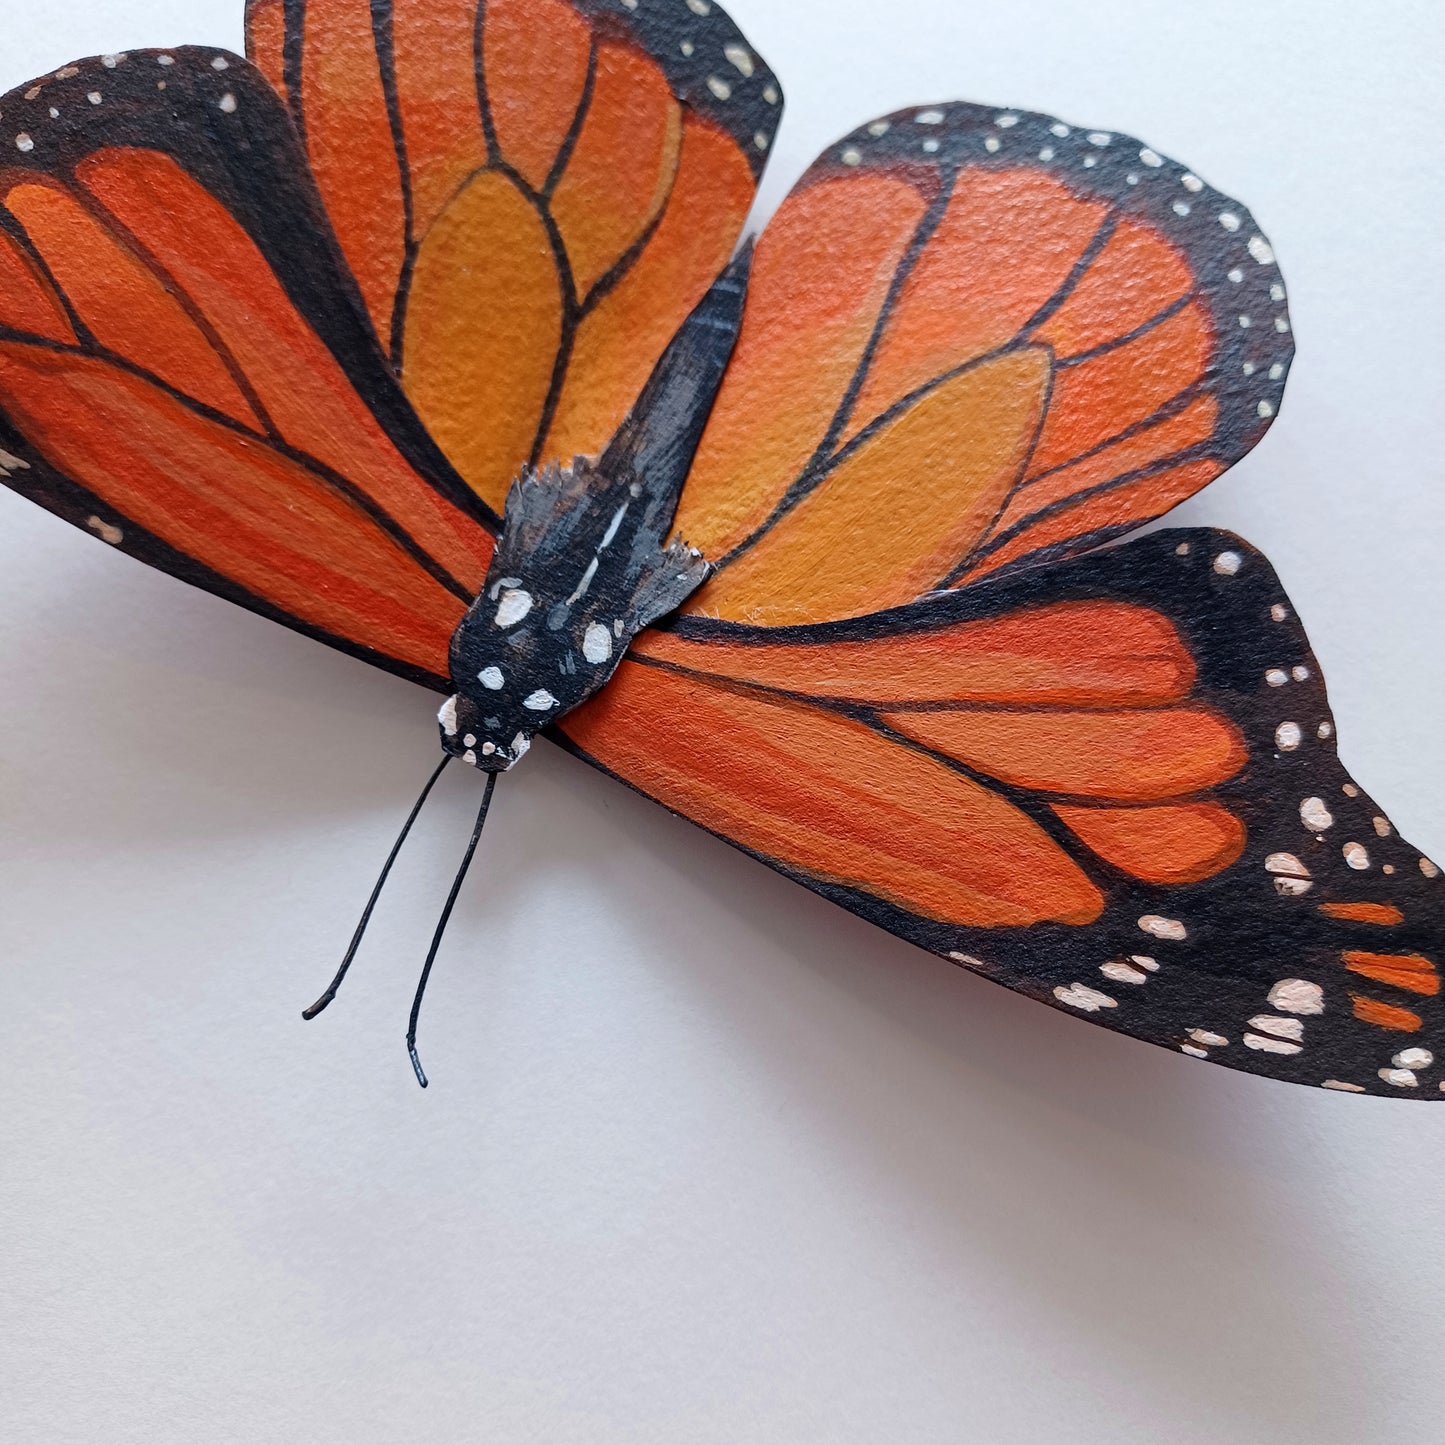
{"x": 532, "y": 195}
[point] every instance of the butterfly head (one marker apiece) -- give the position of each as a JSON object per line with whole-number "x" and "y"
{"x": 485, "y": 735}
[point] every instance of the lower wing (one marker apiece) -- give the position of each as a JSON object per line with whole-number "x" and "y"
{"x": 1111, "y": 785}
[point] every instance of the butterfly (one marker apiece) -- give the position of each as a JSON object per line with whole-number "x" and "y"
{"x": 424, "y": 331}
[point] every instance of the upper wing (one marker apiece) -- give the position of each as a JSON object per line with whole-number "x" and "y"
{"x": 974, "y": 340}
{"x": 1111, "y": 785}
{"x": 187, "y": 371}
{"x": 533, "y": 195}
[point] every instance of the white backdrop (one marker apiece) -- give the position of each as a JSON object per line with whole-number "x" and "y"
{"x": 706, "y": 1159}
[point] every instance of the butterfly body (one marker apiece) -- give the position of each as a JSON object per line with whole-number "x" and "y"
{"x": 583, "y": 562}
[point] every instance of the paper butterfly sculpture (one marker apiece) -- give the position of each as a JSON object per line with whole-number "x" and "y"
{"x": 422, "y": 332}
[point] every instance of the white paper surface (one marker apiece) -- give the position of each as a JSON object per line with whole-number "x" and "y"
{"x": 706, "y": 1159}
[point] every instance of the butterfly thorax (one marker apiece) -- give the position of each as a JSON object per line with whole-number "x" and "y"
{"x": 582, "y": 566}
{"x": 584, "y": 561}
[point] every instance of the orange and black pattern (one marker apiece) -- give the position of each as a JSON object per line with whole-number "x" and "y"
{"x": 981, "y": 339}
{"x": 532, "y": 195}
{"x": 186, "y": 371}
{"x": 1110, "y": 784}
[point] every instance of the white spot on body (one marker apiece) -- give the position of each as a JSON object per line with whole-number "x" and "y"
{"x": 1080, "y": 996}
{"x": 491, "y": 678}
{"x": 227, "y": 103}
{"x": 470, "y": 741}
{"x": 1169, "y": 928}
{"x": 539, "y": 701}
{"x": 597, "y": 643}
{"x": 515, "y": 604}
{"x": 1297, "y": 996}
{"x": 447, "y": 716}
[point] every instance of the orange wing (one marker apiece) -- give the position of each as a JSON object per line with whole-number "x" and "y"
{"x": 977, "y": 340}
{"x": 186, "y": 369}
{"x": 1110, "y": 784}
{"x": 532, "y": 194}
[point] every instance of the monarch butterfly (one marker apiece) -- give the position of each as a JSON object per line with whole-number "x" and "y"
{"x": 421, "y": 331}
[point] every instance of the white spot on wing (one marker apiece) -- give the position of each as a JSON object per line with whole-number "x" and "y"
{"x": 1297, "y": 996}
{"x": 1228, "y": 563}
{"x": 1080, "y": 996}
{"x": 539, "y": 701}
{"x": 447, "y": 716}
{"x": 1287, "y": 736}
{"x": 1413, "y": 1059}
{"x": 1169, "y": 928}
{"x": 1315, "y": 816}
{"x": 1356, "y": 856}
{"x": 740, "y": 59}
{"x": 1280, "y": 1028}
{"x": 491, "y": 678}
{"x": 1263, "y": 1044}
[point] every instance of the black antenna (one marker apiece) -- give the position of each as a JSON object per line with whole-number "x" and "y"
{"x": 436, "y": 942}
{"x": 356, "y": 937}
